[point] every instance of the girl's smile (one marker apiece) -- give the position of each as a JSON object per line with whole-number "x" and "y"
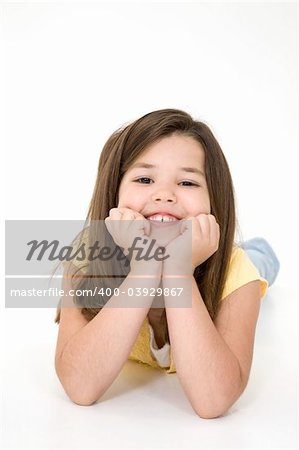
{"x": 167, "y": 179}
{"x": 162, "y": 219}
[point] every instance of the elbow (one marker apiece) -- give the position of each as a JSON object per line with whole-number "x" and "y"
{"x": 210, "y": 414}
{"x": 81, "y": 400}
{"x": 209, "y": 409}
{"x": 76, "y": 389}
{"x": 79, "y": 395}
{"x": 212, "y": 411}
{"x": 221, "y": 403}
{"x": 217, "y": 407}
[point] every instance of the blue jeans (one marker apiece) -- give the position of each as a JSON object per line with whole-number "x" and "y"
{"x": 263, "y": 257}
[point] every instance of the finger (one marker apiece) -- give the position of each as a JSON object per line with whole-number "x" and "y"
{"x": 186, "y": 224}
{"x": 112, "y": 222}
{"x": 136, "y": 213}
{"x": 115, "y": 214}
{"x": 122, "y": 217}
{"x": 139, "y": 216}
{"x": 204, "y": 224}
{"x": 128, "y": 215}
{"x": 141, "y": 228}
{"x": 146, "y": 226}
{"x": 110, "y": 225}
{"x": 123, "y": 210}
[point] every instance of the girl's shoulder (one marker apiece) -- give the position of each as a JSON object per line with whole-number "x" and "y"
{"x": 240, "y": 272}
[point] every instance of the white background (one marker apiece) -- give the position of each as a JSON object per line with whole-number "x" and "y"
{"x": 72, "y": 73}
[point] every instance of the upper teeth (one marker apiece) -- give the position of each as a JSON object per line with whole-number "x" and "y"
{"x": 160, "y": 218}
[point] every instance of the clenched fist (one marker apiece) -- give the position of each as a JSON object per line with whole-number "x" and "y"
{"x": 125, "y": 225}
{"x": 204, "y": 233}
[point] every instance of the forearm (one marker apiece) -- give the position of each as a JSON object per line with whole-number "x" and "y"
{"x": 93, "y": 358}
{"x": 208, "y": 371}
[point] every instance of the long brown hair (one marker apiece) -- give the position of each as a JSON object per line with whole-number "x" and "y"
{"x": 119, "y": 153}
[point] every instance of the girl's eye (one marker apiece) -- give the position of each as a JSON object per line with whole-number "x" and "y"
{"x": 190, "y": 183}
{"x": 142, "y": 178}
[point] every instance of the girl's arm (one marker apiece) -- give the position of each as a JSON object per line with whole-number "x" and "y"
{"x": 90, "y": 355}
{"x": 213, "y": 361}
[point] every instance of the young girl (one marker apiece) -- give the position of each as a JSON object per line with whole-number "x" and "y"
{"x": 166, "y": 166}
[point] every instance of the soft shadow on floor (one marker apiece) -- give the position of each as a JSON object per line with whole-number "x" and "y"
{"x": 133, "y": 376}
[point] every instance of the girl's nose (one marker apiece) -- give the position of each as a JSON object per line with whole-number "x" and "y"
{"x": 164, "y": 195}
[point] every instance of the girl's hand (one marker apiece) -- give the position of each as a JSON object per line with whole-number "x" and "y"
{"x": 125, "y": 225}
{"x": 205, "y": 234}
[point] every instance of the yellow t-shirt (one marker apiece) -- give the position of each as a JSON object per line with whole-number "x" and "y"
{"x": 241, "y": 272}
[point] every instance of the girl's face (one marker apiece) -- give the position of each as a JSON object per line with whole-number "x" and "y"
{"x": 168, "y": 177}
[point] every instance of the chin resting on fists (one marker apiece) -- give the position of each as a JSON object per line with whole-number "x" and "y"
{"x": 128, "y": 227}
{"x": 204, "y": 233}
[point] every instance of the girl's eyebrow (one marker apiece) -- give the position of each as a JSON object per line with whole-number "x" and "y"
{"x": 144, "y": 165}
